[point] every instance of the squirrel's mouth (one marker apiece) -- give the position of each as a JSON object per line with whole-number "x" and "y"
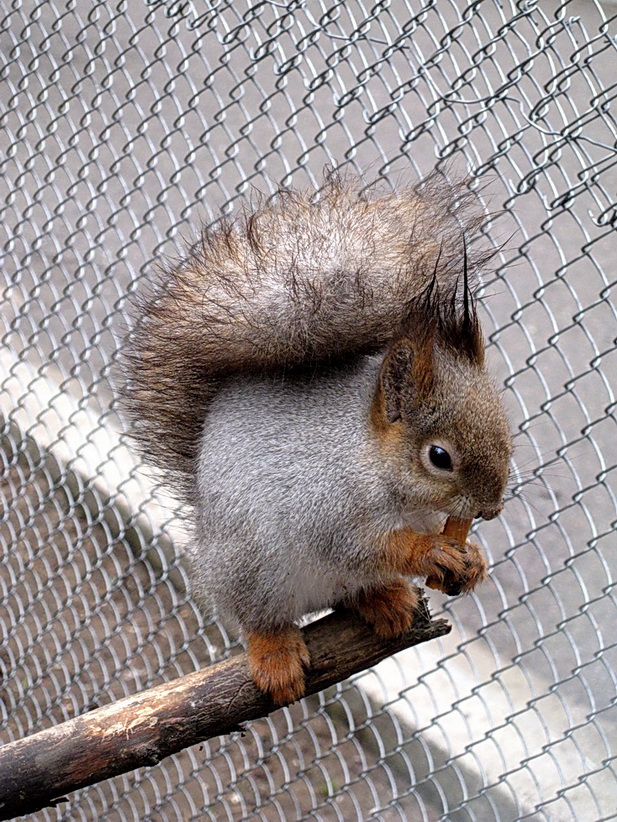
{"x": 467, "y": 509}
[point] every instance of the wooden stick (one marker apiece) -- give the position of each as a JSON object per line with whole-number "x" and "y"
{"x": 37, "y": 772}
{"x": 457, "y": 528}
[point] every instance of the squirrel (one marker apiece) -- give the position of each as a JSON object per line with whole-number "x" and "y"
{"x": 311, "y": 379}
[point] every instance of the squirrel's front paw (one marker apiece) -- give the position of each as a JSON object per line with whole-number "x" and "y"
{"x": 277, "y": 661}
{"x": 457, "y": 567}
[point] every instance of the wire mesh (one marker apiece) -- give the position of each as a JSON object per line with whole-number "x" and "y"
{"x": 125, "y": 126}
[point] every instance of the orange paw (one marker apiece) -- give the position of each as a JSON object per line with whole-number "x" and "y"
{"x": 276, "y": 663}
{"x": 388, "y": 608}
{"x": 457, "y": 567}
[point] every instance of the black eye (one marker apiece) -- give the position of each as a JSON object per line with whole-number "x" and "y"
{"x": 440, "y": 458}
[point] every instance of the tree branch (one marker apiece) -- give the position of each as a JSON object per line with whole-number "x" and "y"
{"x": 38, "y": 771}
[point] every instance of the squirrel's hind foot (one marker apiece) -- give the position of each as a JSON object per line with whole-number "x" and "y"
{"x": 277, "y": 661}
{"x": 388, "y": 608}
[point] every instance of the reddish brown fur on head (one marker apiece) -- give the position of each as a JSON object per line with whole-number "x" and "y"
{"x": 435, "y": 401}
{"x": 441, "y": 317}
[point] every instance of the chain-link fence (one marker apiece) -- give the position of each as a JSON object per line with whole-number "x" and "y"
{"x": 124, "y": 126}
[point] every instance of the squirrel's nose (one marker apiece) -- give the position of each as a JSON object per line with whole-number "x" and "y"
{"x": 490, "y": 513}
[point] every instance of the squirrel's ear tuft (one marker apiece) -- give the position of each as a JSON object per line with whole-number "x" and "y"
{"x": 465, "y": 327}
{"x": 445, "y": 312}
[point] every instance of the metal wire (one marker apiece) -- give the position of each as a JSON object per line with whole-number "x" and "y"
{"x": 125, "y": 126}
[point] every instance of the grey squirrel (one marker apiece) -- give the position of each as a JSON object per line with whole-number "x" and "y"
{"x": 311, "y": 379}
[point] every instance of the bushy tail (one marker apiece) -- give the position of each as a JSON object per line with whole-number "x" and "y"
{"x": 307, "y": 277}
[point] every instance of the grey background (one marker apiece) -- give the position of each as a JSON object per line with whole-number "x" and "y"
{"x": 124, "y": 127}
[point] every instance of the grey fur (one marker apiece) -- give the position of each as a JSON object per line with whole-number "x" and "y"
{"x": 286, "y": 507}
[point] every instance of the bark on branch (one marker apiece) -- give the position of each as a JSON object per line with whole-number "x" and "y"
{"x": 38, "y": 771}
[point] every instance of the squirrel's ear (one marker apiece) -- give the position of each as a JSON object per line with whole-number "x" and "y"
{"x": 406, "y": 373}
